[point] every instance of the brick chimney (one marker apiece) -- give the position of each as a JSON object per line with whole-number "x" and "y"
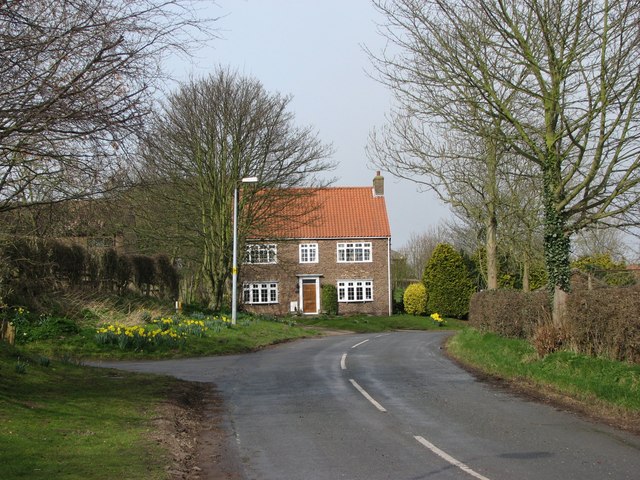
{"x": 378, "y": 185}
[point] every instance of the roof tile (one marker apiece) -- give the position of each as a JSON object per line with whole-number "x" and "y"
{"x": 337, "y": 212}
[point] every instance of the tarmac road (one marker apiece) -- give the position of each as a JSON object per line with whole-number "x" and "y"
{"x": 391, "y": 406}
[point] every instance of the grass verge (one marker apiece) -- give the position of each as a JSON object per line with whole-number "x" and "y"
{"x": 600, "y": 388}
{"x": 247, "y": 336}
{"x": 369, "y": 324}
{"x": 64, "y": 421}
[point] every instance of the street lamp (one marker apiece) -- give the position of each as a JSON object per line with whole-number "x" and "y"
{"x": 234, "y": 272}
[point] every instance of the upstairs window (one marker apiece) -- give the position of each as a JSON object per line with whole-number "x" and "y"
{"x": 354, "y": 252}
{"x": 308, "y": 253}
{"x": 261, "y": 253}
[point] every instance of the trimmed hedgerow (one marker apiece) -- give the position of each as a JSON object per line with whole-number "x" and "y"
{"x": 509, "y": 313}
{"x": 144, "y": 272}
{"x": 606, "y": 324}
{"x": 603, "y": 322}
{"x": 448, "y": 283}
{"x": 166, "y": 277}
{"x": 31, "y": 268}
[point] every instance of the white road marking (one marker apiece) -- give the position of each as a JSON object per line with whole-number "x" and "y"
{"x": 343, "y": 361}
{"x": 449, "y": 458}
{"x": 358, "y": 344}
{"x": 367, "y": 396}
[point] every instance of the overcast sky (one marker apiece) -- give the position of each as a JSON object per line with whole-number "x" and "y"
{"x": 312, "y": 50}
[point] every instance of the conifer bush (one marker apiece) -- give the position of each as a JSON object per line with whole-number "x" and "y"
{"x": 415, "y": 299}
{"x": 446, "y": 278}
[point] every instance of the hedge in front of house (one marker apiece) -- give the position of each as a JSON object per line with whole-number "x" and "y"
{"x": 448, "y": 283}
{"x": 329, "y": 299}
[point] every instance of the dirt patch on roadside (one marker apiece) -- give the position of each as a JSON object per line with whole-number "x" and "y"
{"x": 190, "y": 425}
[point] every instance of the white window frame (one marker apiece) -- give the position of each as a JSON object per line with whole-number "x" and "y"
{"x": 260, "y": 293}
{"x": 355, "y": 291}
{"x": 354, "y": 252}
{"x": 308, "y": 253}
{"x": 261, "y": 253}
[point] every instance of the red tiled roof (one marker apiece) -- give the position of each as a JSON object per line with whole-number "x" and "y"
{"x": 335, "y": 212}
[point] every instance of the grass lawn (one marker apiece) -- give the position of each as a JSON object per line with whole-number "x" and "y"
{"x": 64, "y": 421}
{"x": 367, "y": 324}
{"x": 603, "y": 388}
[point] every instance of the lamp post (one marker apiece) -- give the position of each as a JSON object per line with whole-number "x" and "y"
{"x": 234, "y": 271}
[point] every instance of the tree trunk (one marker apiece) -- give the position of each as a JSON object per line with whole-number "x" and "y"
{"x": 556, "y": 247}
{"x": 492, "y": 254}
{"x": 492, "y": 220}
{"x": 526, "y": 267}
{"x": 559, "y": 307}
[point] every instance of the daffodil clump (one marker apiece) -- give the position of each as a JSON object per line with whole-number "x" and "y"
{"x": 167, "y": 331}
{"x": 138, "y": 337}
{"x": 437, "y": 319}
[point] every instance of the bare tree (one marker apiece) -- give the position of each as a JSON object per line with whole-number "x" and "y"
{"x": 210, "y": 134}
{"x": 77, "y": 80}
{"x": 419, "y": 248}
{"x": 463, "y": 170}
{"x": 597, "y": 241}
{"x": 441, "y": 137}
{"x": 572, "y": 67}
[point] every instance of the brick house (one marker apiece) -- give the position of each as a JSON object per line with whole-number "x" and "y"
{"x": 344, "y": 240}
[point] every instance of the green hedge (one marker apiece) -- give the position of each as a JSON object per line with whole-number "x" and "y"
{"x": 329, "y": 299}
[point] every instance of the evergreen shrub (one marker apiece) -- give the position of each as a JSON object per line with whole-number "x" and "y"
{"x": 69, "y": 262}
{"x": 398, "y": 300}
{"x": 32, "y": 268}
{"x": 329, "y": 299}
{"x": 124, "y": 273}
{"x": 446, "y": 278}
{"x": 415, "y": 299}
